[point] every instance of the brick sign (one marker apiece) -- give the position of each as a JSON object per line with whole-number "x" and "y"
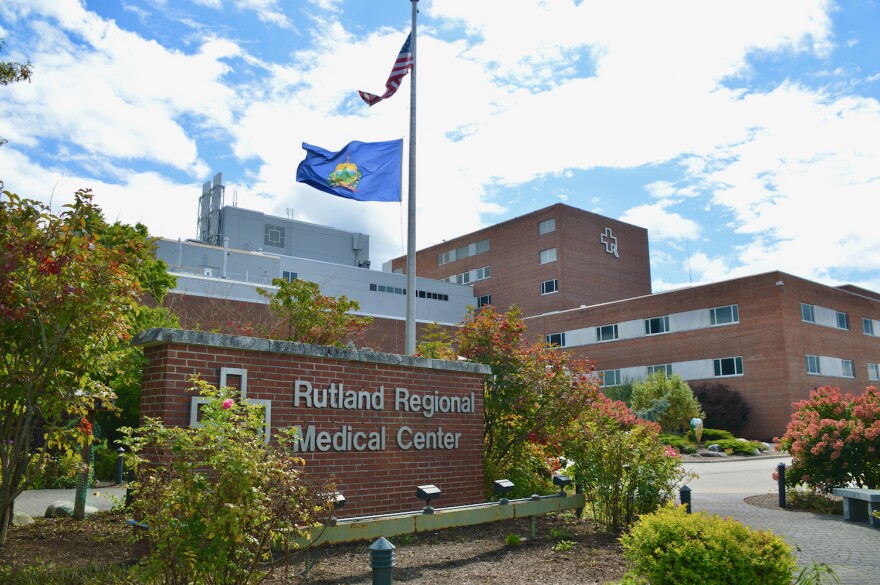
{"x": 378, "y": 424}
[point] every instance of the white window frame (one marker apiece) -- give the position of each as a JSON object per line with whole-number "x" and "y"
{"x": 546, "y": 285}
{"x": 547, "y": 226}
{"x": 613, "y": 334}
{"x": 873, "y": 372}
{"x": 841, "y": 316}
{"x": 604, "y": 376}
{"x": 808, "y": 313}
{"x": 714, "y": 313}
{"x": 848, "y": 368}
{"x": 867, "y": 326}
{"x": 547, "y": 256}
{"x": 663, "y": 321}
{"x": 813, "y": 360}
{"x": 719, "y": 363}
{"x": 484, "y": 300}
{"x": 559, "y": 339}
{"x": 666, "y": 368}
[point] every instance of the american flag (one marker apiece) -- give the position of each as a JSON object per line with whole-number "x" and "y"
{"x": 402, "y": 65}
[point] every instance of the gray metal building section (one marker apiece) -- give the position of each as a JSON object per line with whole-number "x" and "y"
{"x": 255, "y": 231}
{"x": 230, "y": 273}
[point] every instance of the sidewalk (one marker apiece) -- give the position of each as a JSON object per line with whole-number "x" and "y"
{"x": 851, "y": 549}
{"x": 35, "y": 502}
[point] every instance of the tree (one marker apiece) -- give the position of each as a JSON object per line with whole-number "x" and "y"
{"x": 155, "y": 281}
{"x": 12, "y": 73}
{"x": 534, "y": 393}
{"x": 725, "y": 409}
{"x": 648, "y": 397}
{"x": 305, "y": 315}
{"x": 65, "y": 302}
{"x": 834, "y": 439}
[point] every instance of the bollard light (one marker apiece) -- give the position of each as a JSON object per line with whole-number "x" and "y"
{"x": 561, "y": 481}
{"x": 685, "y": 495}
{"x": 780, "y": 480}
{"x": 502, "y": 487}
{"x": 428, "y": 493}
{"x": 382, "y": 561}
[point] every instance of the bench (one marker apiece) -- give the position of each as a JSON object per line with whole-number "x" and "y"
{"x": 860, "y": 504}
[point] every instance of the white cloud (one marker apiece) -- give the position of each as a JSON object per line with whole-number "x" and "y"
{"x": 660, "y": 223}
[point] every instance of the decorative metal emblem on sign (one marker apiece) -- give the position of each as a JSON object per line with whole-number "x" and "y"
{"x": 610, "y": 242}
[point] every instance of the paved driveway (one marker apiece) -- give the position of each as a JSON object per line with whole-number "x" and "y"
{"x": 852, "y": 550}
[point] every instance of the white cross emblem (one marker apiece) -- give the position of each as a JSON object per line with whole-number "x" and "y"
{"x": 610, "y": 242}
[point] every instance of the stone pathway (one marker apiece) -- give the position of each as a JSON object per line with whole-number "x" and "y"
{"x": 851, "y": 549}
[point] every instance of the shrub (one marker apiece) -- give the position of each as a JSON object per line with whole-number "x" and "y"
{"x": 512, "y": 540}
{"x": 682, "y": 406}
{"x": 622, "y": 393}
{"x": 834, "y": 440}
{"x": 216, "y": 498}
{"x": 673, "y": 547}
{"x": 682, "y": 444}
{"x": 710, "y": 435}
{"x": 725, "y": 408}
{"x": 621, "y": 462}
{"x": 735, "y": 446}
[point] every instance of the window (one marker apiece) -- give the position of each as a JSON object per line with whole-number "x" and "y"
{"x": 656, "y": 325}
{"x": 609, "y": 378}
{"x": 842, "y": 321}
{"x": 387, "y": 289}
{"x": 807, "y": 313}
{"x": 867, "y": 326}
{"x": 606, "y": 332}
{"x": 472, "y": 276}
{"x": 483, "y": 301}
{"x": 273, "y": 235}
{"x": 423, "y": 294}
{"x": 547, "y": 256}
{"x": 813, "y": 364}
{"x": 463, "y": 252}
{"x": 724, "y": 315}
{"x": 732, "y": 366}
{"x": 483, "y": 273}
{"x": 874, "y": 372}
{"x": 849, "y": 370}
{"x": 556, "y": 339}
{"x": 664, "y": 368}
{"x": 547, "y": 226}
{"x": 288, "y": 275}
{"x": 549, "y": 286}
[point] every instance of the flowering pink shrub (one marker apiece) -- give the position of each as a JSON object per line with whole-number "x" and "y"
{"x": 834, "y": 440}
{"x": 228, "y": 403}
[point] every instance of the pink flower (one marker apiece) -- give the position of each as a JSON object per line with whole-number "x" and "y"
{"x": 228, "y": 403}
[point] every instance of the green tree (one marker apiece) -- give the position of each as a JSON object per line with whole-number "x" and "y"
{"x": 65, "y": 303}
{"x": 648, "y": 399}
{"x": 305, "y": 315}
{"x": 534, "y": 393}
{"x": 13, "y": 72}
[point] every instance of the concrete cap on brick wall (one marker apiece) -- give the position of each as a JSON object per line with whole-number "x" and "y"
{"x": 161, "y": 336}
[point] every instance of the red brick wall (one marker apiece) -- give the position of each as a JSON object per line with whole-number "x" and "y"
{"x": 586, "y": 272}
{"x": 373, "y": 482}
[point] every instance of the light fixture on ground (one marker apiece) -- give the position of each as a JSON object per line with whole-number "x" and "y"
{"x": 561, "y": 481}
{"x": 502, "y": 487}
{"x": 428, "y": 493}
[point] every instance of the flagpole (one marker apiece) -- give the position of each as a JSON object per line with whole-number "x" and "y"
{"x": 411, "y": 201}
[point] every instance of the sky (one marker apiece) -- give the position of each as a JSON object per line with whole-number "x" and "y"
{"x": 743, "y": 135}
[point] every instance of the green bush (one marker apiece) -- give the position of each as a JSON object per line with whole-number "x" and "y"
{"x": 217, "y": 499}
{"x": 710, "y": 435}
{"x": 682, "y": 444}
{"x": 623, "y": 393}
{"x": 680, "y": 405}
{"x": 671, "y": 547}
{"x": 735, "y": 446}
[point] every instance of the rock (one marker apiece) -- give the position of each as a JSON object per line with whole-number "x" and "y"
{"x": 757, "y": 452}
{"x": 714, "y": 448}
{"x": 21, "y": 519}
{"x": 766, "y": 447}
{"x": 63, "y": 509}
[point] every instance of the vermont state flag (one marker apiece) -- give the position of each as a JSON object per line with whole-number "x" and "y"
{"x": 364, "y": 171}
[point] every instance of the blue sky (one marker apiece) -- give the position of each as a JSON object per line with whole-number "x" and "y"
{"x": 744, "y": 135}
